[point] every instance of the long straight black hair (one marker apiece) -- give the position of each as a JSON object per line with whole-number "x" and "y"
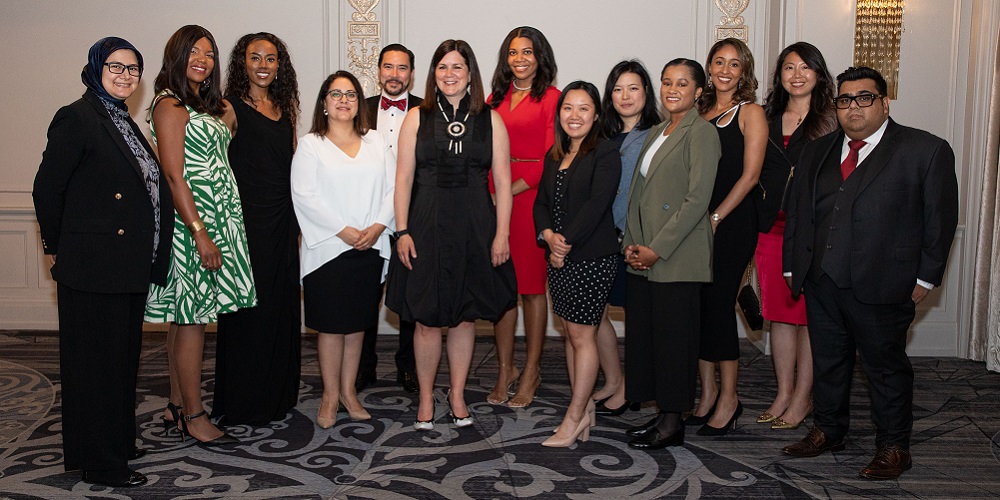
{"x": 562, "y": 142}
{"x": 611, "y": 123}
{"x": 821, "y": 118}
{"x": 545, "y": 75}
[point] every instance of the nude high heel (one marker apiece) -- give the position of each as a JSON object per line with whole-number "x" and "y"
{"x": 582, "y": 433}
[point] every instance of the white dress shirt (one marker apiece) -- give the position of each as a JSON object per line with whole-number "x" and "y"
{"x": 331, "y": 191}
{"x": 389, "y": 120}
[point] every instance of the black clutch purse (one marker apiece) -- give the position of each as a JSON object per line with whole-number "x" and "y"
{"x": 750, "y": 303}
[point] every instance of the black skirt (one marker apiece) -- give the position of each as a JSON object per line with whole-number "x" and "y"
{"x": 342, "y": 296}
{"x": 580, "y": 289}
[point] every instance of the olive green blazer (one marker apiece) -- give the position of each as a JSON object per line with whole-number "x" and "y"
{"x": 668, "y": 208}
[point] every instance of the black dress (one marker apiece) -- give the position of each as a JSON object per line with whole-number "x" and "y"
{"x": 257, "y": 362}
{"x": 452, "y": 221}
{"x": 735, "y": 241}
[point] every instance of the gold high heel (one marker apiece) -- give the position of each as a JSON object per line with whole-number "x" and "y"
{"x": 582, "y": 433}
{"x": 782, "y": 424}
{"x": 766, "y": 418}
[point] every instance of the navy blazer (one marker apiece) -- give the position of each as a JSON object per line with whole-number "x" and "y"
{"x": 902, "y": 219}
{"x": 589, "y": 189}
{"x": 92, "y": 206}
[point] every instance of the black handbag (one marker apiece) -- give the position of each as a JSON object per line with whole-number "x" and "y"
{"x": 750, "y": 303}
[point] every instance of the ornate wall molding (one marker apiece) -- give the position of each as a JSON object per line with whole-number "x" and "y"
{"x": 731, "y": 24}
{"x": 364, "y": 41}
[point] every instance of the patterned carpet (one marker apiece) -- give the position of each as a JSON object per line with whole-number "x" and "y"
{"x": 956, "y": 444}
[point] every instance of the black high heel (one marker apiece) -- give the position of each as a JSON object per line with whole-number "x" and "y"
{"x": 174, "y": 423}
{"x": 223, "y": 440}
{"x": 702, "y": 420}
{"x": 458, "y": 421}
{"x": 601, "y": 409}
{"x": 708, "y": 430}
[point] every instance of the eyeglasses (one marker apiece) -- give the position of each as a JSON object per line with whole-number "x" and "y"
{"x": 119, "y": 68}
{"x": 862, "y": 100}
{"x": 337, "y": 95}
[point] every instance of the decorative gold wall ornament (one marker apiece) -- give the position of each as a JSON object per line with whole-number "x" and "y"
{"x": 364, "y": 41}
{"x": 731, "y": 23}
{"x": 878, "y": 27}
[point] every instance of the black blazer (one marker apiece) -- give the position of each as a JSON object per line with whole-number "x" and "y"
{"x": 588, "y": 190}
{"x": 902, "y": 219}
{"x": 375, "y": 101}
{"x": 92, "y": 206}
{"x": 778, "y": 164}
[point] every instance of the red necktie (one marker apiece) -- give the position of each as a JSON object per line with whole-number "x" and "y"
{"x": 387, "y": 103}
{"x": 851, "y": 162}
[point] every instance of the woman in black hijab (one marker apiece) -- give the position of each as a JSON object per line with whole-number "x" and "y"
{"x": 105, "y": 211}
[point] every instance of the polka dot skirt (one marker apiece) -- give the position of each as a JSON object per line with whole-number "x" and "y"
{"x": 579, "y": 289}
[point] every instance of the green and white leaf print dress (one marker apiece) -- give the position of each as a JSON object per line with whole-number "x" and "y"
{"x": 194, "y": 295}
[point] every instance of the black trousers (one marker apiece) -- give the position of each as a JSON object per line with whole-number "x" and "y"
{"x": 405, "y": 360}
{"x": 100, "y": 338}
{"x": 662, "y": 326}
{"x": 839, "y": 326}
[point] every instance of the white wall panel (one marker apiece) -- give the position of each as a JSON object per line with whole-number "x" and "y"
{"x": 941, "y": 87}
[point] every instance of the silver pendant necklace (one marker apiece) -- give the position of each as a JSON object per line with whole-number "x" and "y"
{"x": 455, "y": 129}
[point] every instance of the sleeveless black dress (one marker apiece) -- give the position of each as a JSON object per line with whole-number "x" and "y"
{"x": 735, "y": 241}
{"x": 257, "y": 359}
{"x": 452, "y": 221}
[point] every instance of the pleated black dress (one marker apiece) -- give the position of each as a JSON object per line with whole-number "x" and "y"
{"x": 258, "y": 349}
{"x": 452, "y": 221}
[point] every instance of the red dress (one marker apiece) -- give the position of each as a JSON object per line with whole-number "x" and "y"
{"x": 530, "y": 126}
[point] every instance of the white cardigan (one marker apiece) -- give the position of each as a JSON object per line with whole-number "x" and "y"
{"x": 331, "y": 191}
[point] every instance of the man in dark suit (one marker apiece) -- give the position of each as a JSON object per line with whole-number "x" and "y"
{"x": 870, "y": 223}
{"x": 385, "y": 114}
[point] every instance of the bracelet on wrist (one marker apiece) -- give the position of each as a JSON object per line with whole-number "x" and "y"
{"x": 401, "y": 233}
{"x": 195, "y": 226}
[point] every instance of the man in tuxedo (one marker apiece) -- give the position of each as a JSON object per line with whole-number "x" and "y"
{"x": 869, "y": 227}
{"x": 385, "y": 114}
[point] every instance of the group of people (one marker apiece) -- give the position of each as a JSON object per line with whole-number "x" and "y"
{"x": 455, "y": 205}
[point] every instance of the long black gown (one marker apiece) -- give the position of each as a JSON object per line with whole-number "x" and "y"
{"x": 452, "y": 222}
{"x": 735, "y": 241}
{"x": 257, "y": 361}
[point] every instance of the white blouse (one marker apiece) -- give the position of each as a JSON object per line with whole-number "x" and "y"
{"x": 332, "y": 191}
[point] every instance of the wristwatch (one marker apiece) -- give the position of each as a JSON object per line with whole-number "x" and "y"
{"x": 715, "y": 218}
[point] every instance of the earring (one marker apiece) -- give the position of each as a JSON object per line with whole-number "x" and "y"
{"x": 325, "y": 113}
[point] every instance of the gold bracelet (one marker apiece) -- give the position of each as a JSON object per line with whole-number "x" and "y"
{"x": 195, "y": 226}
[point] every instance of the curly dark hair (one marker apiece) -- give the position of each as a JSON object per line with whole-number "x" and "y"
{"x": 611, "y": 123}
{"x": 173, "y": 73}
{"x": 284, "y": 90}
{"x": 545, "y": 75}
{"x": 746, "y": 89}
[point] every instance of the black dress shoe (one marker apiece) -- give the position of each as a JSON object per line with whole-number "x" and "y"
{"x": 408, "y": 379}
{"x": 601, "y": 409}
{"x": 634, "y": 432}
{"x": 364, "y": 381}
{"x": 651, "y": 440}
{"x": 137, "y": 453}
{"x": 125, "y": 478}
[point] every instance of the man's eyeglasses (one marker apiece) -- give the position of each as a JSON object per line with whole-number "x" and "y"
{"x": 863, "y": 100}
{"x": 337, "y": 95}
{"x": 119, "y": 68}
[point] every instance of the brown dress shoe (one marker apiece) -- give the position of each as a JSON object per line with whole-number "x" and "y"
{"x": 889, "y": 463}
{"x": 814, "y": 444}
